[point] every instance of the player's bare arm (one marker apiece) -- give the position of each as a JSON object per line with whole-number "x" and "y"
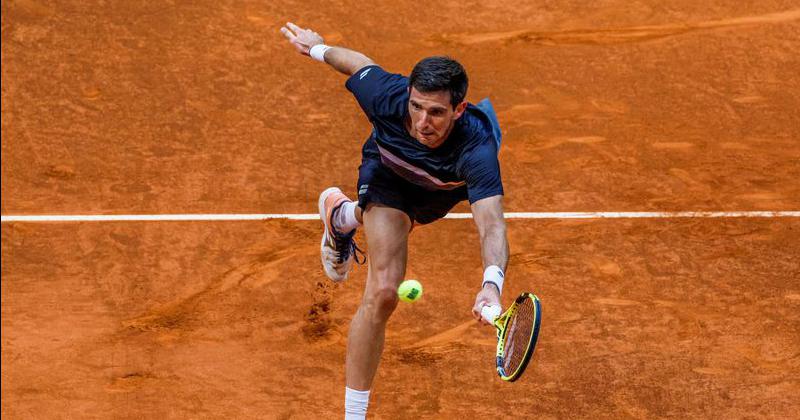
{"x": 488, "y": 216}
{"x": 342, "y": 59}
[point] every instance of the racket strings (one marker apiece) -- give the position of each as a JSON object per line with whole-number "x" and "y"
{"x": 518, "y": 337}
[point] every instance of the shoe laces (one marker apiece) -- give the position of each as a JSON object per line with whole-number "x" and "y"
{"x": 345, "y": 246}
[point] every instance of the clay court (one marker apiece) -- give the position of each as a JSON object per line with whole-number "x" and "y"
{"x": 202, "y": 107}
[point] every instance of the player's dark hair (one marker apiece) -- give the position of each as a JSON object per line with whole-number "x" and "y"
{"x": 439, "y": 73}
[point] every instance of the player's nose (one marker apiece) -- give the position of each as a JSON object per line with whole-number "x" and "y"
{"x": 424, "y": 118}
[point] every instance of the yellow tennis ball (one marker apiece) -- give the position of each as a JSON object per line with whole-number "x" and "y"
{"x": 409, "y": 291}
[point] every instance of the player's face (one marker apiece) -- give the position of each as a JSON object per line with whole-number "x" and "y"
{"x": 432, "y": 116}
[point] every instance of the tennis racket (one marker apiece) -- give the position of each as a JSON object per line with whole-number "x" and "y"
{"x": 517, "y": 332}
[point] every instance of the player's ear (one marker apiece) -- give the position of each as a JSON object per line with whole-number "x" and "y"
{"x": 460, "y": 108}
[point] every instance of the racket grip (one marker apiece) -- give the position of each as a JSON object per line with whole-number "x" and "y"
{"x": 489, "y": 313}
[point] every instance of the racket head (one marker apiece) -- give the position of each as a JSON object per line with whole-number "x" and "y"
{"x": 518, "y": 332}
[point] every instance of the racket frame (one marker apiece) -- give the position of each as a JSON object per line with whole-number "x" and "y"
{"x": 501, "y": 324}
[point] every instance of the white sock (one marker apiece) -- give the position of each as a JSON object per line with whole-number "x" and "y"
{"x": 345, "y": 218}
{"x": 355, "y": 404}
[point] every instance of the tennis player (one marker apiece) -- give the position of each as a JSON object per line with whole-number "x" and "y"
{"x": 429, "y": 150}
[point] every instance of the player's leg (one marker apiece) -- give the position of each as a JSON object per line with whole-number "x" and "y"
{"x": 387, "y": 237}
{"x": 381, "y": 195}
{"x": 341, "y": 217}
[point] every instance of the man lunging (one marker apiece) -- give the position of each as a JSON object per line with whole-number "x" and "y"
{"x": 429, "y": 150}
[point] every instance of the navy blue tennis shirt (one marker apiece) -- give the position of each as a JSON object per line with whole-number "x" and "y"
{"x": 466, "y": 159}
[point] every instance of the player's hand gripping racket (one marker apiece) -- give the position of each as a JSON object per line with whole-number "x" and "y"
{"x": 517, "y": 332}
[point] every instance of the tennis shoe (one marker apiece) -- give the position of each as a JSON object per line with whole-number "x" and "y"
{"x": 337, "y": 250}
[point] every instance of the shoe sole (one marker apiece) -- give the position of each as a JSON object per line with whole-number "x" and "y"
{"x": 322, "y": 215}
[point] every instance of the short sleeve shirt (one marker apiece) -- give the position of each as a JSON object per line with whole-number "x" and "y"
{"x": 467, "y": 158}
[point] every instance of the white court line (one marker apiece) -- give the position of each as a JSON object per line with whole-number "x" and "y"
{"x": 315, "y": 216}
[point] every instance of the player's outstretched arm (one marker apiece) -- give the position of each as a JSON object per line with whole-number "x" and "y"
{"x": 488, "y": 215}
{"x": 342, "y": 59}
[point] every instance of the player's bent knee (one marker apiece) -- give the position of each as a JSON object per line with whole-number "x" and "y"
{"x": 381, "y": 303}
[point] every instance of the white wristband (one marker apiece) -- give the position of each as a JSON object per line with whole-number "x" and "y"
{"x": 317, "y": 52}
{"x": 493, "y": 274}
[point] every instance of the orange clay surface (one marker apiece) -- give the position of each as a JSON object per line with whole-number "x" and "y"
{"x": 202, "y": 107}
